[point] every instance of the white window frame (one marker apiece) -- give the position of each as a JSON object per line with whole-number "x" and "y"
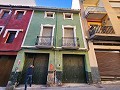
{"x": 16, "y": 11}
{"x": 17, "y": 31}
{"x": 74, "y": 31}
{"x": 2, "y": 11}
{"x": 1, "y": 29}
{"x": 47, "y": 25}
{"x": 69, "y": 14}
{"x": 45, "y": 16}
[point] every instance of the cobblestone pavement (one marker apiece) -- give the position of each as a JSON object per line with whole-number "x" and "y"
{"x": 72, "y": 87}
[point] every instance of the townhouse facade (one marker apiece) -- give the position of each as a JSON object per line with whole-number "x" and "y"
{"x": 13, "y": 25}
{"x": 54, "y": 43}
{"x": 101, "y": 25}
{"x": 64, "y": 45}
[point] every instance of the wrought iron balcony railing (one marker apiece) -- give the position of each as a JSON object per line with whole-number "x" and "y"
{"x": 70, "y": 42}
{"x": 101, "y": 30}
{"x": 94, "y": 9}
{"x": 44, "y": 41}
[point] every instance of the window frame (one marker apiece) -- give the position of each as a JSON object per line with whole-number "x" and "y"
{"x": 17, "y": 31}
{"x": 68, "y": 14}
{"x": 74, "y": 31}
{"x": 2, "y": 29}
{"x": 2, "y": 12}
{"x": 48, "y": 25}
{"x": 45, "y": 16}
{"x": 16, "y": 12}
{"x": 6, "y": 41}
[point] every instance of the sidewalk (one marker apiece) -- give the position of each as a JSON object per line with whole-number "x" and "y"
{"x": 71, "y": 87}
{"x": 64, "y": 87}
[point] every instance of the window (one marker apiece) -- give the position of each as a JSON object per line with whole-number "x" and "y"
{"x": 11, "y": 36}
{"x": 49, "y": 14}
{"x": 5, "y": 14}
{"x": 46, "y": 35}
{"x": 1, "y": 29}
{"x": 19, "y": 14}
{"x": 69, "y": 36}
{"x": 68, "y": 16}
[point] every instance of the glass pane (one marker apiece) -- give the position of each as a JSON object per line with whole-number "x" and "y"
{"x": 5, "y": 14}
{"x": 11, "y": 36}
{"x": 20, "y": 14}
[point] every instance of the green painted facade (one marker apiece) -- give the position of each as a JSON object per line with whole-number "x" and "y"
{"x": 58, "y": 21}
{"x": 55, "y": 54}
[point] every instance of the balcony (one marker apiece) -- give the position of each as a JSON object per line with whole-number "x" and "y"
{"x": 70, "y": 43}
{"x": 44, "y": 42}
{"x": 104, "y": 33}
{"x": 95, "y": 13}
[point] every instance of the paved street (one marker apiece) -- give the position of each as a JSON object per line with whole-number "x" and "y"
{"x": 72, "y": 87}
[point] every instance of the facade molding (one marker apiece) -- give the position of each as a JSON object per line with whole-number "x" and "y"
{"x": 68, "y": 14}
{"x": 20, "y": 10}
{"x": 17, "y": 31}
{"x": 1, "y": 29}
{"x": 45, "y": 16}
{"x": 69, "y": 26}
{"x": 27, "y": 28}
{"x": 83, "y": 35}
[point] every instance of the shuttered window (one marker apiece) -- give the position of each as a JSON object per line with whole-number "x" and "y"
{"x": 47, "y": 31}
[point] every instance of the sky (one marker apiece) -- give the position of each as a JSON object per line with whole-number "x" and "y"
{"x": 55, "y": 3}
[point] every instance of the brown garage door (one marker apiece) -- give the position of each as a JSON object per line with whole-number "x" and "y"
{"x": 40, "y": 62}
{"x": 73, "y": 69}
{"x": 108, "y": 63}
{"x": 6, "y": 65}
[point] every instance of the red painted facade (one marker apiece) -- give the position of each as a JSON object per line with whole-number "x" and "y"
{"x": 10, "y": 22}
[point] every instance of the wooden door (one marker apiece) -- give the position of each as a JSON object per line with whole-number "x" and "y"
{"x": 40, "y": 62}
{"x": 29, "y": 59}
{"x": 6, "y": 65}
{"x": 73, "y": 69}
{"x": 40, "y": 69}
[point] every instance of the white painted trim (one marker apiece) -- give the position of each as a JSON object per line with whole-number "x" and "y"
{"x": 2, "y": 29}
{"x": 27, "y": 28}
{"x": 17, "y": 31}
{"x": 45, "y": 16}
{"x": 69, "y": 26}
{"x": 47, "y": 25}
{"x": 68, "y": 14}
{"x": 83, "y": 36}
{"x": 20, "y": 10}
{"x": 2, "y": 10}
{"x": 53, "y": 47}
{"x": 29, "y": 46}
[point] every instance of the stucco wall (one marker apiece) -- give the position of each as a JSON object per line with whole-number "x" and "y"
{"x": 58, "y": 21}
